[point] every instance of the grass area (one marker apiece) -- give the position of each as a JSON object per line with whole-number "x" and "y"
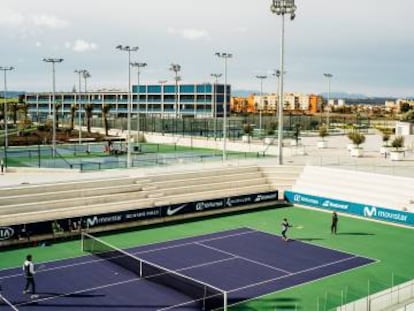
{"x": 393, "y": 247}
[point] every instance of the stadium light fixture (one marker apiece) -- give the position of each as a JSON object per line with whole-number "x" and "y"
{"x": 224, "y": 56}
{"x": 261, "y": 78}
{"x": 176, "y": 68}
{"x": 5, "y": 110}
{"x": 80, "y": 73}
{"x": 53, "y": 61}
{"x": 139, "y": 66}
{"x": 128, "y": 49}
{"x": 282, "y": 7}
{"x": 216, "y": 76}
{"x": 329, "y": 76}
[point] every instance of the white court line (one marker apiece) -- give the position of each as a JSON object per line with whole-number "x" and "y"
{"x": 80, "y": 291}
{"x": 292, "y": 274}
{"x": 244, "y": 258}
{"x": 191, "y": 243}
{"x": 128, "y": 281}
{"x": 301, "y": 284}
{"x": 133, "y": 253}
{"x": 142, "y": 245}
{"x": 313, "y": 244}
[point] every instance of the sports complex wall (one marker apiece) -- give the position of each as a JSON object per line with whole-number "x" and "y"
{"x": 22, "y": 233}
{"x": 363, "y": 210}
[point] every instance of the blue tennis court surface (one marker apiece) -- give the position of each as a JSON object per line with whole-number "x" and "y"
{"x": 244, "y": 263}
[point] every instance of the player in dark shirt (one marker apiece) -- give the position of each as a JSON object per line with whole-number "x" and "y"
{"x": 334, "y": 224}
{"x": 285, "y": 227}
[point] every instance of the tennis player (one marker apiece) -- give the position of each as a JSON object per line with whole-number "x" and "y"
{"x": 29, "y": 272}
{"x": 285, "y": 227}
{"x": 334, "y": 223}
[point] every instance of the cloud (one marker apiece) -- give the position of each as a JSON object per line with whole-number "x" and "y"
{"x": 38, "y": 44}
{"x": 189, "y": 33}
{"x": 81, "y": 46}
{"x": 11, "y": 18}
{"x": 48, "y": 21}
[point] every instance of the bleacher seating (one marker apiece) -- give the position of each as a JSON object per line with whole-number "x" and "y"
{"x": 392, "y": 192}
{"x": 34, "y": 203}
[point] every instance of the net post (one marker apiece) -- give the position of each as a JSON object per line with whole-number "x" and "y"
{"x": 224, "y": 301}
{"x": 82, "y": 242}
{"x": 204, "y": 297}
{"x": 140, "y": 268}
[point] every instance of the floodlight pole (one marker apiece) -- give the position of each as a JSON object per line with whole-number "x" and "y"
{"x": 138, "y": 66}
{"x": 261, "y": 101}
{"x": 216, "y": 76}
{"x": 53, "y": 61}
{"x": 5, "y": 119}
{"x": 329, "y": 76}
{"x": 225, "y": 56}
{"x": 176, "y": 68}
{"x": 80, "y": 72}
{"x": 128, "y": 49}
{"x": 282, "y": 7}
{"x": 162, "y": 82}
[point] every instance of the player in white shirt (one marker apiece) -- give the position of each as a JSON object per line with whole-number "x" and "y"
{"x": 29, "y": 272}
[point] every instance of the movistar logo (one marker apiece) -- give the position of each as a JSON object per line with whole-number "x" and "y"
{"x": 173, "y": 211}
{"x": 6, "y": 233}
{"x": 370, "y": 211}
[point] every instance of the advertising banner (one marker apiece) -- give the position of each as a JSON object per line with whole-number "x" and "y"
{"x": 364, "y": 210}
{"x": 25, "y": 231}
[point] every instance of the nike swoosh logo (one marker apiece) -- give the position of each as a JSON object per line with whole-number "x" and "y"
{"x": 172, "y": 211}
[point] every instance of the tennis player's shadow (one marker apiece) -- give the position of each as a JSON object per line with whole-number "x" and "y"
{"x": 76, "y": 295}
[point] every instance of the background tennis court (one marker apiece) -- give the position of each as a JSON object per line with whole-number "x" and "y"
{"x": 95, "y": 156}
{"x": 392, "y": 246}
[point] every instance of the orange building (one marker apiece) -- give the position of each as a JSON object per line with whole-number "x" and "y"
{"x": 242, "y": 104}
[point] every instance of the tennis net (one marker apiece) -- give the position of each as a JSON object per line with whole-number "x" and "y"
{"x": 207, "y": 296}
{"x": 5, "y": 302}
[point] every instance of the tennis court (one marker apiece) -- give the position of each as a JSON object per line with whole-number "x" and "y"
{"x": 211, "y": 271}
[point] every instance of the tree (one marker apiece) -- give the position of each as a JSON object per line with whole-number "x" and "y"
{"x": 398, "y": 142}
{"x": 356, "y": 137}
{"x": 323, "y": 131}
{"x": 408, "y": 116}
{"x": 405, "y": 107}
{"x": 88, "y": 112}
{"x": 57, "y": 108}
{"x": 105, "y": 110}
{"x": 247, "y": 129}
{"x": 296, "y": 133}
{"x": 14, "y": 107}
{"x": 73, "y": 109}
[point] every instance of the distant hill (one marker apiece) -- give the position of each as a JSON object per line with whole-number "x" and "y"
{"x": 344, "y": 95}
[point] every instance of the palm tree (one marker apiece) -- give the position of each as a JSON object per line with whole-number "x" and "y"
{"x": 88, "y": 112}
{"x": 105, "y": 111}
{"x": 73, "y": 109}
{"x": 14, "y": 107}
{"x": 57, "y": 107}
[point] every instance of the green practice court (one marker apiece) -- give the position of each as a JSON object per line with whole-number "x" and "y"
{"x": 392, "y": 247}
{"x": 96, "y": 156}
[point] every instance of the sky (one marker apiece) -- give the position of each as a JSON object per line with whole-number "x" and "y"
{"x": 366, "y": 45}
